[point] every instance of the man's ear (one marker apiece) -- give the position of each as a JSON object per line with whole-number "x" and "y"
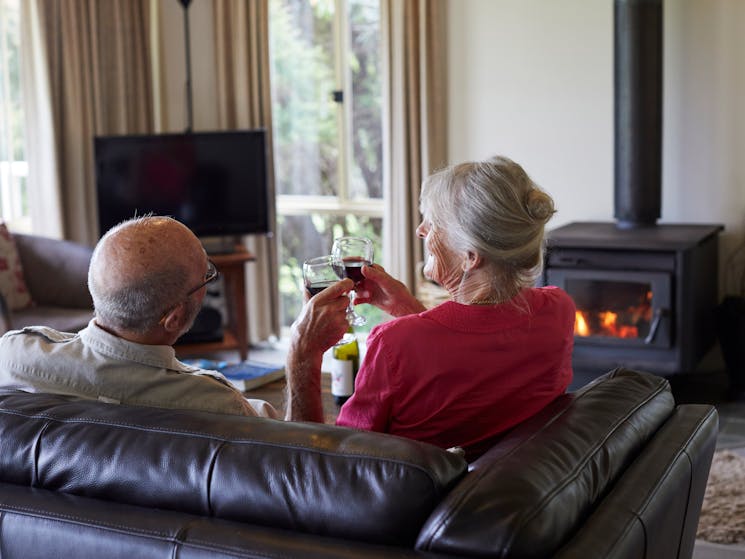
{"x": 174, "y": 320}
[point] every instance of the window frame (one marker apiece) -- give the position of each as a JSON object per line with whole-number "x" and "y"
{"x": 341, "y": 204}
{"x": 14, "y": 207}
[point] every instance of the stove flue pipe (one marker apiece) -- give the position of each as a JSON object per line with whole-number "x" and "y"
{"x": 638, "y": 68}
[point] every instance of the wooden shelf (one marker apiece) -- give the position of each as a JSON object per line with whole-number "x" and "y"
{"x": 232, "y": 266}
{"x": 228, "y": 342}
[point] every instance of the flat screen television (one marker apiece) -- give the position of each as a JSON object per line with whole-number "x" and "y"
{"x": 216, "y": 183}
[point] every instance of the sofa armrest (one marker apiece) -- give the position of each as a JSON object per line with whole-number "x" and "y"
{"x": 529, "y": 494}
{"x": 56, "y": 271}
{"x": 653, "y": 511}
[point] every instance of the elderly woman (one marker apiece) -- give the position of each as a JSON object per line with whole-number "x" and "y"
{"x": 463, "y": 372}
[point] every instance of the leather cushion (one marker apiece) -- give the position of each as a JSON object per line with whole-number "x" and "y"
{"x": 56, "y": 271}
{"x": 40, "y": 524}
{"x": 307, "y": 477}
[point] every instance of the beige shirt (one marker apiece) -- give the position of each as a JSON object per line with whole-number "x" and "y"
{"x": 96, "y": 365}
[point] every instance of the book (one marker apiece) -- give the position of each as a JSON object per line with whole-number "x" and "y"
{"x": 252, "y": 374}
{"x": 245, "y": 375}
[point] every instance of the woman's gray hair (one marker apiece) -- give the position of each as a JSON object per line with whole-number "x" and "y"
{"x": 131, "y": 303}
{"x": 491, "y": 208}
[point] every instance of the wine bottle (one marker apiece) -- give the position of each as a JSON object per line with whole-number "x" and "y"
{"x": 344, "y": 367}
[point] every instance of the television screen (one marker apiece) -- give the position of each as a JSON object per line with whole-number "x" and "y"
{"x": 213, "y": 182}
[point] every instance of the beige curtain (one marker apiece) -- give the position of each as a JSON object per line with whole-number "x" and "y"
{"x": 45, "y": 208}
{"x": 99, "y": 82}
{"x": 415, "y": 43}
{"x": 244, "y": 101}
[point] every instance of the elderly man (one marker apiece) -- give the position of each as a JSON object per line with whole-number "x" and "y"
{"x": 147, "y": 277}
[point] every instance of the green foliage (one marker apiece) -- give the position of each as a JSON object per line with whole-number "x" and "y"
{"x": 304, "y": 114}
{"x": 303, "y": 237}
{"x": 306, "y": 123}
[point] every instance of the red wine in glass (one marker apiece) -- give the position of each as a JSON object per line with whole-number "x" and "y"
{"x": 349, "y": 255}
{"x": 352, "y": 268}
{"x": 318, "y": 274}
{"x": 316, "y": 288}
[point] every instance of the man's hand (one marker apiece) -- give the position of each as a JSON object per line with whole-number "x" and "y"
{"x": 387, "y": 293}
{"x": 322, "y": 323}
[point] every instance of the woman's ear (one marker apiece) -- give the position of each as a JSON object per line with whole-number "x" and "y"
{"x": 471, "y": 261}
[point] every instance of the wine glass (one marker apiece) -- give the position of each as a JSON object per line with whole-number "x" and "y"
{"x": 318, "y": 274}
{"x": 349, "y": 254}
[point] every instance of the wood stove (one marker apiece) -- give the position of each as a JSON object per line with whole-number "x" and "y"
{"x": 645, "y": 293}
{"x": 645, "y": 297}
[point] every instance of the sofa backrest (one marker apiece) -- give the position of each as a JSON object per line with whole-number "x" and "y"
{"x": 55, "y": 270}
{"x": 533, "y": 490}
{"x": 311, "y": 478}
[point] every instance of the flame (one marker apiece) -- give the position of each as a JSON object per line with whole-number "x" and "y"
{"x": 622, "y": 324}
{"x": 580, "y": 324}
{"x": 608, "y": 320}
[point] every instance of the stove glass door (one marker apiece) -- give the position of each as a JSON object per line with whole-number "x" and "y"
{"x": 617, "y": 307}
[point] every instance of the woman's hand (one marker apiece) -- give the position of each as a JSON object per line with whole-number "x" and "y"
{"x": 387, "y": 293}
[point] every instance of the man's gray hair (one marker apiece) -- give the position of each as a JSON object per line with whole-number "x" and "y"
{"x": 137, "y": 307}
{"x": 135, "y": 304}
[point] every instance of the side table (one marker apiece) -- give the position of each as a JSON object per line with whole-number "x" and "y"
{"x": 232, "y": 267}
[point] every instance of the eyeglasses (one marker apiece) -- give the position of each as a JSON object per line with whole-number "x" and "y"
{"x": 211, "y": 275}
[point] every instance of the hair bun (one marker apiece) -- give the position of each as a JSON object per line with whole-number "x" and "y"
{"x": 539, "y": 205}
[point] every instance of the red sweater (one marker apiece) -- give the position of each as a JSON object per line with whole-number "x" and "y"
{"x": 457, "y": 374}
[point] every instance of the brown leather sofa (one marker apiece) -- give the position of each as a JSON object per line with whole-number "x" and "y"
{"x": 614, "y": 470}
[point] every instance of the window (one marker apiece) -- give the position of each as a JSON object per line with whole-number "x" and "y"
{"x": 327, "y": 112}
{"x": 13, "y": 167}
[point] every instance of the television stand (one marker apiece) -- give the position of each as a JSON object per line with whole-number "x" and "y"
{"x": 232, "y": 267}
{"x": 221, "y": 245}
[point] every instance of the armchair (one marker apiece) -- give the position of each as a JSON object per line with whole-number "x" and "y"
{"x": 56, "y": 273}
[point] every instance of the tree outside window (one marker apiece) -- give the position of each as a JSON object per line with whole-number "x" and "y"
{"x": 327, "y": 99}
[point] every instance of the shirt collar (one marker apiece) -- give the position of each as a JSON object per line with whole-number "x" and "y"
{"x": 161, "y": 356}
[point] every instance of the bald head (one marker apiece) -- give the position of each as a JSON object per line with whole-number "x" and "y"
{"x": 139, "y": 268}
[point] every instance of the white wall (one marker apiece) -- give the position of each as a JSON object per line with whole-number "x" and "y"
{"x": 533, "y": 80}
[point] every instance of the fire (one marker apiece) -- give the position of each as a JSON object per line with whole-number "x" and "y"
{"x": 580, "y": 324}
{"x": 620, "y": 324}
{"x": 608, "y": 320}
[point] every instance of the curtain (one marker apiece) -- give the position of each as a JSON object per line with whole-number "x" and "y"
{"x": 416, "y": 123}
{"x": 244, "y": 101}
{"x": 46, "y": 207}
{"x": 96, "y": 59}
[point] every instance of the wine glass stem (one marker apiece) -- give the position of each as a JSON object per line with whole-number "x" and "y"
{"x": 354, "y": 318}
{"x": 350, "y": 307}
